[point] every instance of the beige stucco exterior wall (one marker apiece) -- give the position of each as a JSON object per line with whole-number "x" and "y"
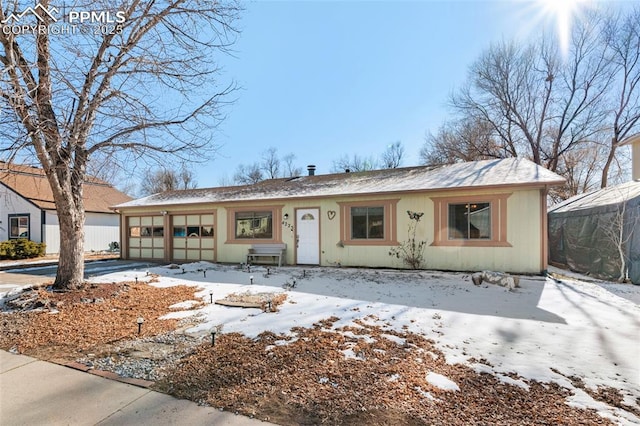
{"x": 523, "y": 226}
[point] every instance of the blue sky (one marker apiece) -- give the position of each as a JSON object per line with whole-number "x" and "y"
{"x": 321, "y": 79}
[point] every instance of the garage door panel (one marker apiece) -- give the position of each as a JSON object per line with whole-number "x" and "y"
{"x": 207, "y": 255}
{"x": 192, "y": 236}
{"x": 193, "y": 243}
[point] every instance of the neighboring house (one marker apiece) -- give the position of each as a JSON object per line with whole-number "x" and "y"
{"x": 477, "y": 215}
{"x": 587, "y": 232}
{"x": 27, "y": 209}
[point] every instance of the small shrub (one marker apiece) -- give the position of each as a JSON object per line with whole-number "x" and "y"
{"x": 411, "y": 252}
{"x": 21, "y": 249}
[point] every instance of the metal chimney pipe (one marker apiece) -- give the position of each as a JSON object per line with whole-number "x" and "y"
{"x": 311, "y": 168}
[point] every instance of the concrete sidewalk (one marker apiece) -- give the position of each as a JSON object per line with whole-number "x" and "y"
{"x": 34, "y": 392}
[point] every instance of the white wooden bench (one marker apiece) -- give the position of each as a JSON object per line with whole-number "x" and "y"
{"x": 267, "y": 250}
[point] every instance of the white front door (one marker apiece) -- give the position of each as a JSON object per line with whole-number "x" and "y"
{"x": 308, "y": 236}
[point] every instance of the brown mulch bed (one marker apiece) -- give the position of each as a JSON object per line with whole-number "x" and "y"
{"x": 72, "y": 323}
{"x": 303, "y": 378}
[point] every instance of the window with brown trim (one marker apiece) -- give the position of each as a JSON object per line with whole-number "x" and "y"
{"x": 260, "y": 224}
{"x": 369, "y": 222}
{"x": 254, "y": 225}
{"x": 472, "y": 221}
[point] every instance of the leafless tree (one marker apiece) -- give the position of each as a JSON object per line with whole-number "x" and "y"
{"x": 271, "y": 166}
{"x": 618, "y": 231}
{"x": 530, "y": 101}
{"x": 290, "y": 169}
{"x": 392, "y": 157}
{"x": 247, "y": 175}
{"x": 622, "y": 44}
{"x": 580, "y": 167}
{"x": 538, "y": 106}
{"x": 462, "y": 140}
{"x": 164, "y": 179}
{"x": 270, "y": 163}
{"x": 144, "y": 85}
{"x": 355, "y": 163}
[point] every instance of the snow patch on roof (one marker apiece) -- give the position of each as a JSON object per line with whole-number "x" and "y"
{"x": 511, "y": 171}
{"x": 601, "y": 197}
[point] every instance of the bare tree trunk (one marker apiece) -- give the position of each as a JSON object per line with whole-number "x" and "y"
{"x": 70, "y": 273}
{"x": 607, "y": 164}
{"x": 621, "y": 242}
{"x": 69, "y": 197}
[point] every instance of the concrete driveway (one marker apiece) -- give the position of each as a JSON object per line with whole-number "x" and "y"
{"x": 15, "y": 276}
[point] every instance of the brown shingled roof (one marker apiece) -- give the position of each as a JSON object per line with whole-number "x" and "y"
{"x": 31, "y": 184}
{"x": 473, "y": 174}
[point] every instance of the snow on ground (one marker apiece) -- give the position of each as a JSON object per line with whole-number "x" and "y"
{"x": 547, "y": 329}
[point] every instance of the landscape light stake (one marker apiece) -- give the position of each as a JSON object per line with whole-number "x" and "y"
{"x": 268, "y": 271}
{"x": 269, "y": 306}
{"x": 213, "y": 338}
{"x": 140, "y": 321}
{"x": 251, "y": 279}
{"x": 211, "y": 295}
{"x": 136, "y": 279}
{"x": 304, "y": 273}
{"x": 205, "y": 273}
{"x": 294, "y": 283}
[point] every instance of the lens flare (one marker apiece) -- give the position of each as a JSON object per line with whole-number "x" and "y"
{"x": 564, "y": 12}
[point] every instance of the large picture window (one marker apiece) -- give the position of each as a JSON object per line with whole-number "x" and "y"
{"x": 19, "y": 226}
{"x": 254, "y": 225}
{"x": 469, "y": 221}
{"x": 372, "y": 222}
{"x": 367, "y": 223}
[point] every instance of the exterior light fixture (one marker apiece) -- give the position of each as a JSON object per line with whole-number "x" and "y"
{"x": 136, "y": 279}
{"x": 204, "y": 273}
{"x": 213, "y": 338}
{"x": 211, "y": 295}
{"x": 269, "y": 306}
{"x": 140, "y": 321}
{"x": 268, "y": 271}
{"x": 286, "y": 216}
{"x": 251, "y": 279}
